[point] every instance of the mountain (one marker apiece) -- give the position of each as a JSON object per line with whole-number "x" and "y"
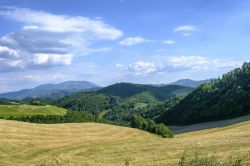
{"x": 223, "y": 98}
{"x": 190, "y": 83}
{"x": 52, "y": 90}
{"x": 126, "y": 90}
{"x": 119, "y": 102}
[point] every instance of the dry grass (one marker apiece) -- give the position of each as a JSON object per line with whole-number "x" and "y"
{"x": 92, "y": 144}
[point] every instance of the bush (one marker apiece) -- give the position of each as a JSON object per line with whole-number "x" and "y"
{"x": 70, "y": 117}
{"x": 149, "y": 125}
{"x": 38, "y": 103}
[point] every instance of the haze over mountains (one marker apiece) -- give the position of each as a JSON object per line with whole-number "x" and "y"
{"x": 71, "y": 87}
{"x": 190, "y": 83}
{"x": 52, "y": 90}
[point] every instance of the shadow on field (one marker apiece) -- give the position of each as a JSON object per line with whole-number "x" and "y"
{"x": 208, "y": 125}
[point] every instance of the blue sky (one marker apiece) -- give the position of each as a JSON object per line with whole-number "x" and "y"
{"x": 153, "y": 41}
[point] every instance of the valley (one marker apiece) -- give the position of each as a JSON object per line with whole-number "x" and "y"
{"x": 124, "y": 83}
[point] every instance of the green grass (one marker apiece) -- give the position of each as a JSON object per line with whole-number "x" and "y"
{"x": 29, "y": 110}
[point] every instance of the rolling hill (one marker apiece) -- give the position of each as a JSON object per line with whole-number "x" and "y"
{"x": 190, "y": 83}
{"x": 29, "y": 110}
{"x": 52, "y": 90}
{"x": 119, "y": 102}
{"x": 224, "y": 98}
{"x": 95, "y": 144}
{"x": 126, "y": 90}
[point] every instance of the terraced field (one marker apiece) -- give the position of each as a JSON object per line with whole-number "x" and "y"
{"x": 92, "y": 144}
{"x": 29, "y": 110}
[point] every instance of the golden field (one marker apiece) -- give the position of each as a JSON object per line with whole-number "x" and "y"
{"x": 93, "y": 144}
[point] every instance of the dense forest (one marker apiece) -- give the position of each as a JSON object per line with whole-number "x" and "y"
{"x": 223, "y": 98}
{"x": 126, "y": 90}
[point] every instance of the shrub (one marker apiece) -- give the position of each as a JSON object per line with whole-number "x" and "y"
{"x": 149, "y": 125}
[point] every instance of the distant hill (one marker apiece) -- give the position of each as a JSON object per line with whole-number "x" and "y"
{"x": 20, "y": 110}
{"x": 52, "y": 90}
{"x": 224, "y": 98}
{"x": 126, "y": 90}
{"x": 190, "y": 83}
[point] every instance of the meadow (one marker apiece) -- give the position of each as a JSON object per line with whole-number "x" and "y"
{"x": 93, "y": 144}
{"x": 29, "y": 110}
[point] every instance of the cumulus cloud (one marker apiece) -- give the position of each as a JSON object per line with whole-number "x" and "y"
{"x": 6, "y": 52}
{"x": 49, "y": 40}
{"x": 40, "y": 20}
{"x": 197, "y": 64}
{"x": 180, "y": 64}
{"x": 53, "y": 59}
{"x": 142, "y": 68}
{"x": 169, "y": 42}
{"x": 134, "y": 40}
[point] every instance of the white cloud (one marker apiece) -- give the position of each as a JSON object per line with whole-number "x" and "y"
{"x": 197, "y": 63}
{"x": 119, "y": 65}
{"x": 169, "y": 42}
{"x": 49, "y": 40}
{"x": 53, "y": 59}
{"x": 6, "y": 52}
{"x": 142, "y": 68}
{"x": 134, "y": 40}
{"x": 185, "y": 28}
{"x": 61, "y": 23}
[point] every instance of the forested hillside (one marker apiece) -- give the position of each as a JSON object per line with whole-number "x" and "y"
{"x": 85, "y": 101}
{"x": 125, "y": 90}
{"x": 226, "y": 97}
{"x": 118, "y": 103}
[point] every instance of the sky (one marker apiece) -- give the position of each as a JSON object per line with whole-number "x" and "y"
{"x": 111, "y": 41}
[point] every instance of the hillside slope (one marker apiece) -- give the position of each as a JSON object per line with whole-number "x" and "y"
{"x": 106, "y": 145}
{"x": 224, "y": 98}
{"x": 29, "y": 110}
{"x": 126, "y": 90}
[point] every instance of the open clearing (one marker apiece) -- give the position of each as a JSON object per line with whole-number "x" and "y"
{"x": 30, "y": 110}
{"x": 93, "y": 144}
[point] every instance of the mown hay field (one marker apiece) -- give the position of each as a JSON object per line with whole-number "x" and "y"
{"x": 93, "y": 144}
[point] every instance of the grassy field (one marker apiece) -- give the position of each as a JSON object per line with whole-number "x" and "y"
{"x": 92, "y": 144}
{"x": 29, "y": 110}
{"x": 209, "y": 125}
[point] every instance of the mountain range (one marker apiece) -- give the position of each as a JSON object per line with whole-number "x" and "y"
{"x": 56, "y": 91}
{"x": 190, "y": 83}
{"x": 52, "y": 90}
